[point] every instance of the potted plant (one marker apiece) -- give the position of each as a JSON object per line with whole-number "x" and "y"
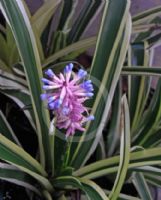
{"x": 79, "y": 145}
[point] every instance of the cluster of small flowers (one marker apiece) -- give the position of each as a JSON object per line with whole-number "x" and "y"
{"x": 66, "y": 94}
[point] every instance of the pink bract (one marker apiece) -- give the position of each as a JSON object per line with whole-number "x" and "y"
{"x": 66, "y": 94}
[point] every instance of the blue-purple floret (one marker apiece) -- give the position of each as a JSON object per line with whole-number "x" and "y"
{"x": 68, "y": 68}
{"x": 43, "y": 96}
{"x": 55, "y": 105}
{"x": 51, "y": 99}
{"x": 46, "y": 81}
{"x": 89, "y": 94}
{"x": 82, "y": 73}
{"x": 90, "y": 118}
{"x": 87, "y": 85}
{"x": 50, "y": 73}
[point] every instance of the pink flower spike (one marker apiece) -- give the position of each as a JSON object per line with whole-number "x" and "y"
{"x": 66, "y": 94}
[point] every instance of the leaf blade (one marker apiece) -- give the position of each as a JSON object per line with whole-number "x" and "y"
{"x": 111, "y": 62}
{"x": 92, "y": 190}
{"x": 141, "y": 186}
{"x": 124, "y": 152}
{"x": 17, "y": 18}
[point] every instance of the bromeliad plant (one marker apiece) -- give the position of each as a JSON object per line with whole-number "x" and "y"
{"x": 72, "y": 136}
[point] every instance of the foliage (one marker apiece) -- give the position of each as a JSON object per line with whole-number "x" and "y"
{"x": 122, "y": 145}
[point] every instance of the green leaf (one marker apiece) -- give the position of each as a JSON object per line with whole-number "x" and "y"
{"x": 13, "y": 175}
{"x": 123, "y": 196}
{"x": 13, "y": 55}
{"x": 154, "y": 139}
{"x": 2, "y": 29}
{"x": 67, "y": 182}
{"x": 6, "y": 129}
{"x": 16, "y": 15}
{"x": 113, "y": 132}
{"x": 150, "y": 122}
{"x": 47, "y": 195}
{"x": 12, "y": 153}
{"x": 8, "y": 52}
{"x": 142, "y": 71}
{"x": 42, "y": 16}
{"x": 101, "y": 150}
{"x": 110, "y": 165}
{"x": 138, "y": 86}
{"x": 22, "y": 99}
{"x": 88, "y": 11}
{"x": 154, "y": 180}
{"x": 147, "y": 34}
{"x": 149, "y": 170}
{"x": 141, "y": 186}
{"x": 82, "y": 44}
{"x": 67, "y": 13}
{"x": 151, "y": 174}
{"x": 58, "y": 42}
{"x": 3, "y": 50}
{"x": 9, "y": 80}
{"x": 36, "y": 33}
{"x": 146, "y": 15}
{"x": 16, "y": 156}
{"x": 115, "y": 34}
{"x": 124, "y": 151}
{"x": 4, "y": 66}
{"x": 92, "y": 190}
{"x": 153, "y": 41}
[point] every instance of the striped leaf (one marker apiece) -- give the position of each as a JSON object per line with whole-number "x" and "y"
{"x": 150, "y": 123}
{"x": 4, "y": 66}
{"x": 3, "y": 50}
{"x": 147, "y": 31}
{"x": 41, "y": 18}
{"x": 123, "y": 196}
{"x": 2, "y": 29}
{"x": 92, "y": 190}
{"x": 141, "y": 186}
{"x": 110, "y": 165}
{"x": 146, "y": 15}
{"x": 23, "y": 100}
{"x": 13, "y": 175}
{"x": 154, "y": 180}
{"x": 88, "y": 11}
{"x": 114, "y": 129}
{"x": 110, "y": 53}
{"x": 67, "y": 13}
{"x": 6, "y": 129}
{"x": 13, "y": 55}
{"x": 138, "y": 86}
{"x": 16, "y": 156}
{"x": 124, "y": 151}
{"x": 149, "y": 170}
{"x": 12, "y": 153}
{"x": 8, "y": 52}
{"x": 16, "y": 16}
{"x": 140, "y": 71}
{"x": 77, "y": 46}
{"x": 9, "y": 80}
